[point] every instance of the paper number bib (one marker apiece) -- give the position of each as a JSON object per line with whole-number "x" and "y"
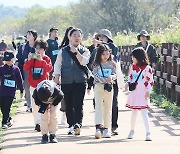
{"x": 55, "y": 52}
{"x": 107, "y": 72}
{"x": 9, "y": 83}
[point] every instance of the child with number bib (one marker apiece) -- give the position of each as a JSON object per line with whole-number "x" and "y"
{"x": 104, "y": 70}
{"x": 10, "y": 77}
{"x": 38, "y": 66}
{"x": 140, "y": 84}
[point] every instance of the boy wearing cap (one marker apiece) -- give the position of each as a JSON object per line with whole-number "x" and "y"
{"x": 52, "y": 50}
{"x": 144, "y": 37}
{"x": 10, "y": 77}
{"x": 47, "y": 96}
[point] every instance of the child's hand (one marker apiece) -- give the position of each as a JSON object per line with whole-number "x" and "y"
{"x": 52, "y": 108}
{"x": 147, "y": 95}
{"x": 109, "y": 80}
{"x": 126, "y": 87}
{"x": 88, "y": 91}
{"x": 29, "y": 56}
{"x": 21, "y": 95}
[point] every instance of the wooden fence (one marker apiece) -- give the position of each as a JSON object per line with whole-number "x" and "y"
{"x": 167, "y": 70}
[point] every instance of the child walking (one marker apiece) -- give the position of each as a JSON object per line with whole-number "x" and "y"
{"x": 47, "y": 96}
{"x": 38, "y": 66}
{"x": 104, "y": 70}
{"x": 139, "y": 99}
{"x": 10, "y": 77}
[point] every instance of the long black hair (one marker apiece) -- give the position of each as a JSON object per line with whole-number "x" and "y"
{"x": 141, "y": 56}
{"x": 65, "y": 40}
{"x": 101, "y": 48}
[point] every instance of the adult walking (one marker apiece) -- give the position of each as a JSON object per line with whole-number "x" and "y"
{"x": 68, "y": 67}
{"x": 22, "y": 56}
{"x": 143, "y": 38}
{"x": 52, "y": 50}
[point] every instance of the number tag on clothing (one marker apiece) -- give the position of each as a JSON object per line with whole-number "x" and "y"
{"x": 38, "y": 70}
{"x": 107, "y": 72}
{"x": 9, "y": 83}
{"x": 55, "y": 52}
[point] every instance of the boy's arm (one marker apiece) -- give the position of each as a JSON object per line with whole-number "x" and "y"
{"x": 19, "y": 80}
{"x": 59, "y": 96}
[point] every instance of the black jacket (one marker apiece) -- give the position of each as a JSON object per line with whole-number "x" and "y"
{"x": 57, "y": 95}
{"x": 151, "y": 52}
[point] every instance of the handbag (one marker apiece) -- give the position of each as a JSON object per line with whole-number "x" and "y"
{"x": 132, "y": 86}
{"x": 36, "y": 76}
{"x": 107, "y": 86}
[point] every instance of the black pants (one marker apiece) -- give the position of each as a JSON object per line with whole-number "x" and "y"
{"x": 74, "y": 96}
{"x": 5, "y": 105}
{"x": 115, "y": 106}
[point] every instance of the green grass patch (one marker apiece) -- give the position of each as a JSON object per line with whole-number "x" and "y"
{"x": 171, "y": 107}
{"x": 12, "y": 113}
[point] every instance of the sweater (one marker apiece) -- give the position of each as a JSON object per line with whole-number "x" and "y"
{"x": 10, "y": 77}
{"x": 42, "y": 66}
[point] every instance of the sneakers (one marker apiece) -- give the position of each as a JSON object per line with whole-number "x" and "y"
{"x": 29, "y": 110}
{"x": 44, "y": 139}
{"x": 4, "y": 126}
{"x": 53, "y": 138}
{"x": 148, "y": 137}
{"x": 106, "y": 133}
{"x": 38, "y": 128}
{"x": 10, "y": 122}
{"x": 63, "y": 119}
{"x": 98, "y": 134}
{"x": 114, "y": 131}
{"x": 25, "y": 104}
{"x": 77, "y": 129}
{"x": 131, "y": 134}
{"x": 71, "y": 130}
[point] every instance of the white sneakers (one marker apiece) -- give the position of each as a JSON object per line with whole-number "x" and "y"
{"x": 148, "y": 137}
{"x": 105, "y": 134}
{"x": 131, "y": 135}
{"x": 98, "y": 134}
{"x": 71, "y": 130}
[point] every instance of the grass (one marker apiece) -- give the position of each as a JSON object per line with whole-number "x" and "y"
{"x": 12, "y": 113}
{"x": 170, "y": 107}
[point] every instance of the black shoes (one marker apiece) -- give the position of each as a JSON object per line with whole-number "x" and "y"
{"x": 38, "y": 128}
{"x": 44, "y": 139}
{"x": 52, "y": 139}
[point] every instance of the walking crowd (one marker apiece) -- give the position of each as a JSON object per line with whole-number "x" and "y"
{"x": 49, "y": 74}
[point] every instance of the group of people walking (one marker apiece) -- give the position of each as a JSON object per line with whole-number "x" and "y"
{"x": 51, "y": 74}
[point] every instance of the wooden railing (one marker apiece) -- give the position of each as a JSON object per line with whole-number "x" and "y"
{"x": 167, "y": 70}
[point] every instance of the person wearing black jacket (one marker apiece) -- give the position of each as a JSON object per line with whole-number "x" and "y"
{"x": 144, "y": 37}
{"x": 47, "y": 96}
{"x": 53, "y": 46}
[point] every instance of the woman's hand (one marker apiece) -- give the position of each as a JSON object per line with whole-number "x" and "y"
{"x": 73, "y": 49}
{"x": 147, "y": 95}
